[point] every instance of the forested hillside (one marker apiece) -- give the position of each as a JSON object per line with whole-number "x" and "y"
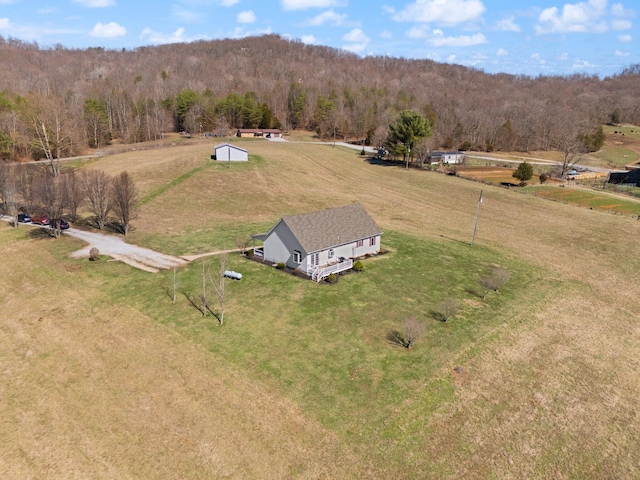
{"x": 56, "y": 102}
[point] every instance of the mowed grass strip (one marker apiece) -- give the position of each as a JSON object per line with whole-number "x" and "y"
{"x": 588, "y": 199}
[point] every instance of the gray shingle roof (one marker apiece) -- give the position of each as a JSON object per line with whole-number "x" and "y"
{"x": 332, "y": 227}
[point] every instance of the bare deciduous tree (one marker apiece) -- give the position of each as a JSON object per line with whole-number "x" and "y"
{"x": 124, "y": 195}
{"x": 219, "y": 286}
{"x": 97, "y": 186}
{"x": 412, "y": 330}
{"x": 74, "y": 194}
{"x": 49, "y": 193}
{"x": 9, "y": 192}
{"x": 242, "y": 243}
{"x": 447, "y": 309}
{"x": 493, "y": 283}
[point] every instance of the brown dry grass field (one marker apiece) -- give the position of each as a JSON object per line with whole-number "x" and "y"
{"x": 93, "y": 389}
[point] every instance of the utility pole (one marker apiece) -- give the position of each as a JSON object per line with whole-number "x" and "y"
{"x": 475, "y": 227}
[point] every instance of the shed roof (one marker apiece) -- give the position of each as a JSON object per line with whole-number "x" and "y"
{"x": 332, "y": 227}
{"x": 221, "y": 145}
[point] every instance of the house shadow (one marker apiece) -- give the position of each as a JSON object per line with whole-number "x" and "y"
{"x": 381, "y": 162}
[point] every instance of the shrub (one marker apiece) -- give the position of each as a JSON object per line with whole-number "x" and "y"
{"x": 412, "y": 331}
{"x": 543, "y": 177}
{"x": 447, "y": 309}
{"x": 332, "y": 278}
{"x": 280, "y": 266}
{"x": 358, "y": 266}
{"x": 94, "y": 254}
{"x": 249, "y": 253}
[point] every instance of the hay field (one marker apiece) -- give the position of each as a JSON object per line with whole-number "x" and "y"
{"x": 548, "y": 392}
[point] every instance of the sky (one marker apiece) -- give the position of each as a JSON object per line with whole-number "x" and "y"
{"x": 526, "y": 37}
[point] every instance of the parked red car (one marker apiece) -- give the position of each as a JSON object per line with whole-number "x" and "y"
{"x": 39, "y": 220}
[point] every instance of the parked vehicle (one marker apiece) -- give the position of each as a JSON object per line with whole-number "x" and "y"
{"x": 24, "y": 218}
{"x": 39, "y": 220}
{"x": 63, "y": 224}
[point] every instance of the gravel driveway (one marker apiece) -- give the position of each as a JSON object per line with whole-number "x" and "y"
{"x": 115, "y": 247}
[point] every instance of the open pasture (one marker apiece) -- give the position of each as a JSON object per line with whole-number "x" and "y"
{"x": 300, "y": 382}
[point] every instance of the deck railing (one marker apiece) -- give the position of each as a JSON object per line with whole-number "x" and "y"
{"x": 258, "y": 252}
{"x": 319, "y": 273}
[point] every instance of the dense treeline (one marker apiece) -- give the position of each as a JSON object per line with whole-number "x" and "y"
{"x": 56, "y": 102}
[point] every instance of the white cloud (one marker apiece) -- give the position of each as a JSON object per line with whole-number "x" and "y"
{"x": 451, "y": 58}
{"x": 575, "y": 17}
{"x": 450, "y": 12}
{"x": 625, "y": 38}
{"x": 4, "y": 23}
{"x": 621, "y": 25}
{"x": 246, "y": 17}
{"x": 109, "y": 30}
{"x": 161, "y": 38}
{"x": 502, "y": 52}
{"x": 417, "y": 33}
{"x": 618, "y": 10}
{"x": 461, "y": 41}
{"x": 304, "y": 4}
{"x": 355, "y": 47}
{"x": 582, "y": 64}
{"x": 356, "y": 36}
{"x": 620, "y": 53}
{"x": 563, "y": 56}
{"x": 358, "y": 40}
{"x": 309, "y": 39}
{"x": 229, "y": 3}
{"x": 328, "y": 17}
{"x": 386, "y": 34}
{"x": 508, "y": 25}
{"x": 96, "y": 3}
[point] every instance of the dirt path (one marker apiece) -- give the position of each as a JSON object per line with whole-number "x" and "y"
{"x": 115, "y": 247}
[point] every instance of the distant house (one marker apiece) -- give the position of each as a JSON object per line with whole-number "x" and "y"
{"x": 259, "y": 132}
{"x": 225, "y": 152}
{"x": 447, "y": 158}
{"x": 322, "y": 242}
{"x": 628, "y": 177}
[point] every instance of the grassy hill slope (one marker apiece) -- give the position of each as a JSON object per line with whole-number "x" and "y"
{"x": 300, "y": 381}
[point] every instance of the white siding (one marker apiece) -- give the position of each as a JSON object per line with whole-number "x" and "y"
{"x": 225, "y": 153}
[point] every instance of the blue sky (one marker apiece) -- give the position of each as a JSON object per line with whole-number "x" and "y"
{"x": 529, "y": 37}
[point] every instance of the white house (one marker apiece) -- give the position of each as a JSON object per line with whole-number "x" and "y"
{"x": 322, "y": 242}
{"x": 225, "y": 152}
{"x": 447, "y": 158}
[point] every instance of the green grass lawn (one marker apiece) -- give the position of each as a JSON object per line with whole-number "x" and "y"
{"x": 325, "y": 345}
{"x": 587, "y": 199}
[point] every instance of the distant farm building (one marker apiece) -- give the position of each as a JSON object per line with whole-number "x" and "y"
{"x": 628, "y": 177}
{"x": 259, "y": 132}
{"x": 447, "y": 158}
{"x": 225, "y": 152}
{"x": 320, "y": 243}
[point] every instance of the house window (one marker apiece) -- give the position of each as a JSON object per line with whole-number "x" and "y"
{"x": 372, "y": 241}
{"x": 297, "y": 256}
{"x": 360, "y": 243}
{"x": 331, "y": 253}
{"x": 314, "y": 259}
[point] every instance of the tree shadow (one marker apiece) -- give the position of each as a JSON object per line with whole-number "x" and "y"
{"x": 395, "y": 338}
{"x": 474, "y": 292}
{"x": 437, "y": 316}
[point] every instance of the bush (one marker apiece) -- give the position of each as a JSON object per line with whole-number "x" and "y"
{"x": 94, "y": 254}
{"x": 358, "y": 266}
{"x": 331, "y": 278}
{"x": 249, "y": 253}
{"x": 543, "y": 177}
{"x": 280, "y": 266}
